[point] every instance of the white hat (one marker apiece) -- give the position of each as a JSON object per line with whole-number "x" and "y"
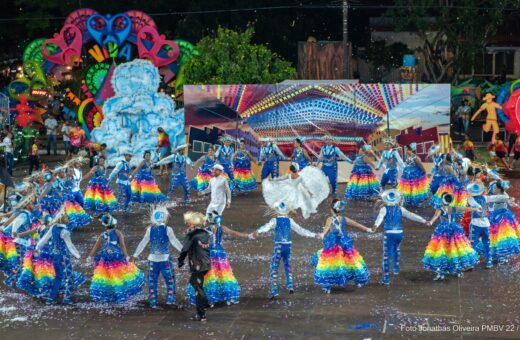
{"x": 159, "y": 215}
{"x": 21, "y": 186}
{"x": 433, "y": 150}
{"x": 127, "y": 151}
{"x": 389, "y": 140}
{"x": 108, "y": 220}
{"x": 475, "y": 189}
{"x": 505, "y": 185}
{"x": 265, "y": 139}
{"x": 226, "y": 138}
{"x": 412, "y": 146}
{"x": 328, "y": 137}
{"x": 218, "y": 167}
{"x": 367, "y": 147}
{"x": 391, "y": 197}
{"x": 182, "y": 146}
{"x": 29, "y": 198}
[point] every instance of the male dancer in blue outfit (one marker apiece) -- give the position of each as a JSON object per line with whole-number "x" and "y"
{"x": 160, "y": 237}
{"x": 282, "y": 226}
{"x": 224, "y": 157}
{"x": 479, "y": 225}
{"x": 329, "y": 155}
{"x": 390, "y": 158}
{"x": 271, "y": 155}
{"x": 391, "y": 215}
{"x": 179, "y": 176}
{"x": 123, "y": 170}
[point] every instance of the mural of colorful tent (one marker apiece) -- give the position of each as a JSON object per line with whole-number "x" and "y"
{"x": 349, "y": 112}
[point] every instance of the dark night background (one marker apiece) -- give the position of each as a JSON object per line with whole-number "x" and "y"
{"x": 281, "y": 29}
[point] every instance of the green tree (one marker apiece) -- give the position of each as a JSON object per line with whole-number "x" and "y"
{"x": 384, "y": 57}
{"x": 454, "y": 32}
{"x": 231, "y": 58}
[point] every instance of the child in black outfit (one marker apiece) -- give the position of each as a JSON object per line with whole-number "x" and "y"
{"x": 196, "y": 247}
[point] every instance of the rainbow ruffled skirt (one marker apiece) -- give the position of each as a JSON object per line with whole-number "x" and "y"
{"x": 504, "y": 240}
{"x": 115, "y": 280}
{"x": 220, "y": 285}
{"x": 453, "y": 186}
{"x": 37, "y": 273}
{"x": 99, "y": 197}
{"x": 413, "y": 186}
{"x": 78, "y": 217}
{"x": 8, "y": 254}
{"x": 245, "y": 179}
{"x": 201, "y": 181}
{"x": 338, "y": 263}
{"x": 145, "y": 190}
{"x": 362, "y": 183}
{"x": 449, "y": 250}
{"x": 51, "y": 203}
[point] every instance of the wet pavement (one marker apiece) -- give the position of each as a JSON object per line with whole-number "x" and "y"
{"x": 482, "y": 304}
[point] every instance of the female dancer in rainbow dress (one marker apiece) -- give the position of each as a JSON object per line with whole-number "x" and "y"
{"x": 339, "y": 262}
{"x": 220, "y": 285}
{"x": 201, "y": 182}
{"x": 61, "y": 248}
{"x": 413, "y": 184}
{"x": 38, "y": 272}
{"x": 115, "y": 279}
{"x": 504, "y": 232}
{"x": 449, "y": 250}
{"x": 448, "y": 183}
{"x": 77, "y": 216}
{"x": 245, "y": 179}
{"x": 99, "y": 197}
{"x": 362, "y": 183}
{"x": 143, "y": 185}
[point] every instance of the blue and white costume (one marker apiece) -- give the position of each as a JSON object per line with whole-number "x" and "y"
{"x": 438, "y": 172}
{"x": 224, "y": 156}
{"x": 300, "y": 159}
{"x": 479, "y": 225}
{"x": 124, "y": 191}
{"x": 391, "y": 215}
{"x": 62, "y": 249}
{"x": 329, "y": 155}
{"x": 271, "y": 155}
{"x": 160, "y": 237}
{"x": 390, "y": 159}
{"x": 179, "y": 177}
{"x": 282, "y": 226}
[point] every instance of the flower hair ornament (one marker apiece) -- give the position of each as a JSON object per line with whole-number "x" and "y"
{"x": 339, "y": 206}
{"x": 108, "y": 220}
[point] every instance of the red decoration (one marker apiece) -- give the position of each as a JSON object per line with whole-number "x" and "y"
{"x": 512, "y": 109}
{"x": 69, "y": 42}
{"x": 151, "y": 35}
{"x": 24, "y": 115}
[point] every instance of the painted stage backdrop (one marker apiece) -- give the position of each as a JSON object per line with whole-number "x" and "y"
{"x": 354, "y": 114}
